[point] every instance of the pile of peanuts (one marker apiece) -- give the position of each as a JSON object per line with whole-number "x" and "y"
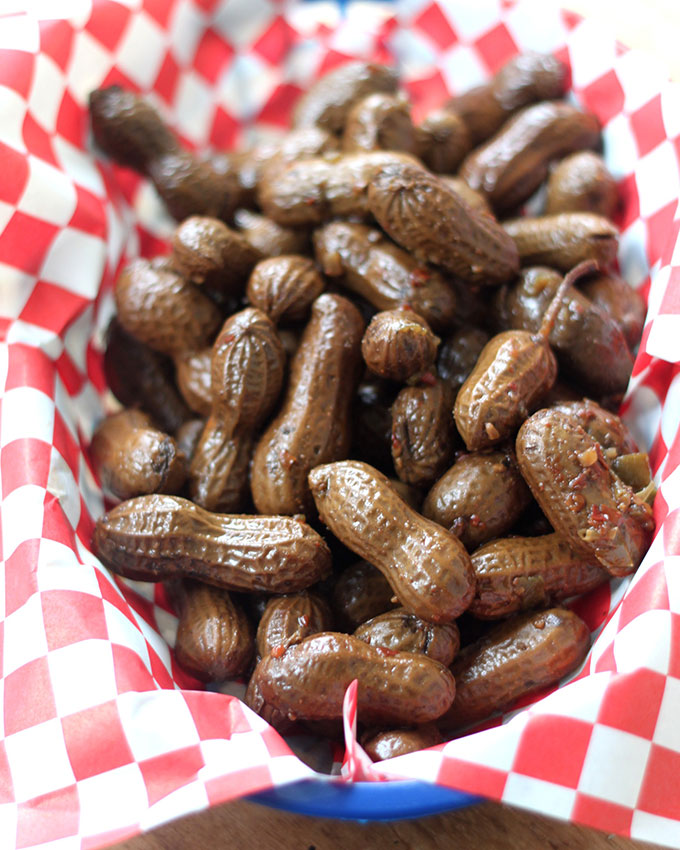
{"x": 352, "y": 352}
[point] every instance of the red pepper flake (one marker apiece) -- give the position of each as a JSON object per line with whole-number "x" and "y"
{"x": 396, "y": 443}
{"x": 419, "y": 277}
{"x": 303, "y": 620}
{"x": 227, "y": 339}
{"x": 383, "y": 650}
{"x": 310, "y": 201}
{"x": 278, "y": 651}
{"x": 287, "y": 459}
{"x": 429, "y": 379}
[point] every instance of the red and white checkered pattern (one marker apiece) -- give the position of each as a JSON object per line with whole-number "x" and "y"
{"x": 91, "y": 692}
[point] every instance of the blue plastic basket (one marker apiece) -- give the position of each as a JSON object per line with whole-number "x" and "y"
{"x": 375, "y": 801}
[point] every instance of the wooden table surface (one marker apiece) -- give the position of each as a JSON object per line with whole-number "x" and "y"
{"x": 488, "y": 826}
{"x": 647, "y": 24}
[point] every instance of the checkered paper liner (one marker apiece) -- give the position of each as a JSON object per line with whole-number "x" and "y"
{"x": 103, "y": 735}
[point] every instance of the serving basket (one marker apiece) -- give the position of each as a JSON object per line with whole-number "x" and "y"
{"x": 104, "y": 735}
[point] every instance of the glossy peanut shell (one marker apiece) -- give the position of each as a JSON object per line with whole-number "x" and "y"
{"x": 516, "y": 573}
{"x": 623, "y": 303}
{"x": 401, "y": 631}
{"x": 584, "y": 500}
{"x": 313, "y": 423}
{"x": 515, "y": 658}
{"x": 168, "y": 536}
{"x": 480, "y": 497}
{"x": 247, "y": 371}
{"x": 308, "y": 681}
{"x": 589, "y": 344}
{"x": 526, "y": 78}
{"x": 132, "y": 458}
{"x": 398, "y": 742}
{"x": 214, "y": 636}
{"x": 443, "y": 141}
{"x": 398, "y": 345}
{"x": 162, "y": 309}
{"x": 208, "y": 252}
{"x": 385, "y": 275}
{"x": 581, "y": 183}
{"x": 289, "y": 619}
{"x": 424, "y": 437}
{"x": 421, "y": 213}
{"x": 285, "y": 287}
{"x": 314, "y": 190}
{"x": 380, "y": 121}
{"x": 269, "y": 238}
{"x": 427, "y": 567}
{"x": 327, "y": 103}
{"x": 458, "y": 354}
{"x": 512, "y": 164}
{"x": 140, "y": 377}
{"x": 194, "y": 381}
{"x": 361, "y": 592}
{"x": 514, "y": 370}
{"x": 564, "y": 240}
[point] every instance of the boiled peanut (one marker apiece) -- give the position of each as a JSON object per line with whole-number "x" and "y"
{"x": 164, "y": 310}
{"x": 165, "y": 536}
{"x": 423, "y": 215}
{"x": 132, "y": 133}
{"x": 401, "y": 631}
{"x": 588, "y": 343}
{"x": 140, "y": 377}
{"x": 516, "y": 573}
{"x": 581, "y": 183}
{"x": 253, "y": 164}
{"x": 314, "y": 190}
{"x": 597, "y": 513}
{"x": 308, "y": 681}
{"x": 210, "y": 254}
{"x": 188, "y": 435}
{"x": 380, "y": 121}
{"x": 514, "y": 370}
{"x": 269, "y": 238}
{"x": 327, "y": 103}
{"x": 512, "y": 374}
{"x": 399, "y": 742}
{"x": 472, "y": 197}
{"x": 214, "y": 637}
{"x": 284, "y": 287}
{"x": 413, "y": 496}
{"x": 289, "y": 619}
{"x": 313, "y": 424}
{"x": 458, "y": 354}
{"x": 194, "y": 380}
{"x": 398, "y": 345}
{"x": 602, "y": 425}
{"x": 563, "y": 240}
{"x": 372, "y": 423}
{"x": 132, "y": 458}
{"x": 442, "y": 141}
{"x": 169, "y": 314}
{"x": 246, "y": 377}
{"x": 623, "y": 303}
{"x": 515, "y": 658}
{"x": 384, "y": 274}
{"x": 361, "y": 592}
{"x": 514, "y": 163}
{"x": 423, "y": 432}
{"x": 427, "y": 567}
{"x": 480, "y": 497}
{"x": 526, "y": 78}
